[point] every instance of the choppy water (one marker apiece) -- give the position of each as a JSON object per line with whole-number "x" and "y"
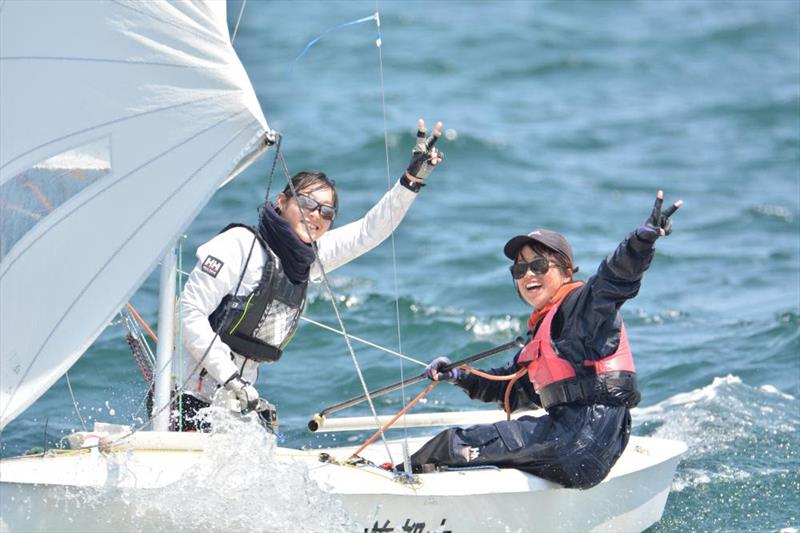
{"x": 567, "y": 115}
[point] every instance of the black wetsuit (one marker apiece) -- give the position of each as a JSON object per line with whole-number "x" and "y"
{"x": 574, "y": 444}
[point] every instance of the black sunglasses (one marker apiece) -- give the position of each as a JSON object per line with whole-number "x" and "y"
{"x": 328, "y": 212}
{"x": 538, "y": 266}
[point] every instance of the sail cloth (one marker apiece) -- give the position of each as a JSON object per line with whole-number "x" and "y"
{"x": 118, "y": 121}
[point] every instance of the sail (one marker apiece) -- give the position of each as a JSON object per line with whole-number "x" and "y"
{"x": 118, "y": 121}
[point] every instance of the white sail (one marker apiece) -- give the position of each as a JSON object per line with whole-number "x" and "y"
{"x": 118, "y": 121}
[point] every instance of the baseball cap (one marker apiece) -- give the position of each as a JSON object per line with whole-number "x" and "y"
{"x": 551, "y": 239}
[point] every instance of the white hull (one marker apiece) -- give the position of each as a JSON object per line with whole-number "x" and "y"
{"x": 88, "y": 490}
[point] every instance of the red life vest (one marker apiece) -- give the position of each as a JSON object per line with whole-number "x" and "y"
{"x": 611, "y": 380}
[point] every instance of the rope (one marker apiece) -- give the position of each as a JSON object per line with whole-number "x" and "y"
{"x": 315, "y": 40}
{"x": 507, "y": 395}
{"x": 136, "y": 349}
{"x": 511, "y": 378}
{"x": 141, "y": 321}
{"x": 403, "y": 411}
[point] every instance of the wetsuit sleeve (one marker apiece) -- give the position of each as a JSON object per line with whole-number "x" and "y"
{"x": 342, "y": 245}
{"x": 589, "y": 318}
{"x": 216, "y": 275}
{"x": 486, "y": 390}
{"x": 618, "y": 278}
{"x": 621, "y": 272}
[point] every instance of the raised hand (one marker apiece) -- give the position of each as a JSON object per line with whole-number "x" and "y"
{"x": 658, "y": 224}
{"x": 425, "y": 155}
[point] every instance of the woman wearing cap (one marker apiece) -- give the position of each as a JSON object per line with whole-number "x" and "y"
{"x": 242, "y": 302}
{"x": 577, "y": 365}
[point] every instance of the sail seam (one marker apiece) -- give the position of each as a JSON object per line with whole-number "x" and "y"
{"x": 109, "y": 123}
{"x": 145, "y": 221}
{"x": 114, "y": 61}
{"x": 65, "y": 214}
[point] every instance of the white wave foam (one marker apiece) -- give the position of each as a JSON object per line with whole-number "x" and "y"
{"x": 493, "y": 326}
{"x": 692, "y": 477}
{"x": 435, "y": 310}
{"x": 773, "y": 211}
{"x": 346, "y": 300}
{"x": 771, "y": 389}
{"x": 722, "y": 418}
{"x": 239, "y": 485}
{"x": 658, "y": 318}
{"x": 689, "y": 399}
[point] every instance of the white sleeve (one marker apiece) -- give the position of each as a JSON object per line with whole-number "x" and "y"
{"x": 342, "y": 245}
{"x": 216, "y": 275}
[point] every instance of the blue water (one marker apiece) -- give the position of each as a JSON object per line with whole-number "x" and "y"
{"x": 568, "y": 115}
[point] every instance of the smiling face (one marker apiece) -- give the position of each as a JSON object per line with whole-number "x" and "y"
{"x": 317, "y": 225}
{"x": 539, "y": 289}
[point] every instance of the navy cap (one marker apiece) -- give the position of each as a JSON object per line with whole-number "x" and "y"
{"x": 551, "y": 239}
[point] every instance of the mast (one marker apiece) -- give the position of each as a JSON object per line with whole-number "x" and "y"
{"x": 166, "y": 328}
{"x": 162, "y": 382}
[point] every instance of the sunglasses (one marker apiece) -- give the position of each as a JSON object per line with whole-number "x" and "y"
{"x": 538, "y": 266}
{"x": 328, "y": 212}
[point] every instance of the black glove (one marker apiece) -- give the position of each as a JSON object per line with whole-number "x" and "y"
{"x": 424, "y": 157}
{"x": 244, "y": 391}
{"x": 658, "y": 223}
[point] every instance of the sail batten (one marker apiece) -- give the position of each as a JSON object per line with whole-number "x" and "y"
{"x": 105, "y": 158}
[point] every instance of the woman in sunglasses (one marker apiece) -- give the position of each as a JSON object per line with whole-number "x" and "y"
{"x": 242, "y": 301}
{"x": 577, "y": 365}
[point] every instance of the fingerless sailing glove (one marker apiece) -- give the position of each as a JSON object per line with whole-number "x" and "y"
{"x": 421, "y": 156}
{"x": 244, "y": 391}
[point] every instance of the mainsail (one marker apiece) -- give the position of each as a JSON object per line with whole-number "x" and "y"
{"x": 118, "y": 121}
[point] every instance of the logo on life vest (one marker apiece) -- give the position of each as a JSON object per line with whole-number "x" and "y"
{"x": 211, "y": 266}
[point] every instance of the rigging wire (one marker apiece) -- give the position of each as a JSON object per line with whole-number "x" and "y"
{"x": 336, "y": 311}
{"x": 75, "y": 402}
{"x": 132, "y": 312}
{"x": 179, "y": 340}
{"x": 364, "y": 341}
{"x": 238, "y": 20}
{"x": 378, "y": 45}
{"x": 179, "y": 390}
{"x": 326, "y": 283}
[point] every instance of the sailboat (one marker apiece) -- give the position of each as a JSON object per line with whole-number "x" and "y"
{"x": 119, "y": 122}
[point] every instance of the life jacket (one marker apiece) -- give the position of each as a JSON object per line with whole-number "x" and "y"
{"x": 260, "y": 324}
{"x": 609, "y": 381}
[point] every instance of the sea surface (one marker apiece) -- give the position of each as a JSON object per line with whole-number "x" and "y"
{"x": 565, "y": 115}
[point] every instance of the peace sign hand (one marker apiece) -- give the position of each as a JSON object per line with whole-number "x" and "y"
{"x": 424, "y": 156}
{"x": 658, "y": 223}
